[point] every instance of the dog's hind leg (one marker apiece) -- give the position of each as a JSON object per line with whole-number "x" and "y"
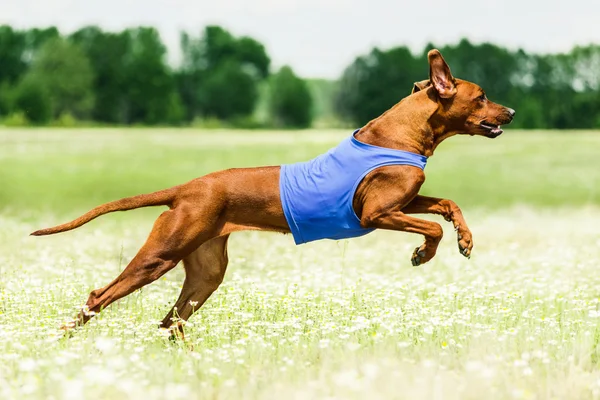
{"x": 176, "y": 233}
{"x": 204, "y": 272}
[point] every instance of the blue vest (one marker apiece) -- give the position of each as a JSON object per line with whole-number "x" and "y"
{"x": 317, "y": 195}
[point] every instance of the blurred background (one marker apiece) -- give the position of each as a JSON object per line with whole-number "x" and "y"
{"x": 286, "y": 63}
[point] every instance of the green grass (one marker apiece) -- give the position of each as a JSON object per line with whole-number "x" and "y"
{"x": 349, "y": 319}
{"x": 68, "y": 171}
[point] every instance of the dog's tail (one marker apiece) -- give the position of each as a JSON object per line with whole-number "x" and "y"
{"x": 160, "y": 198}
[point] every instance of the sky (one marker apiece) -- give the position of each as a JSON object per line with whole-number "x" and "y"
{"x": 319, "y": 38}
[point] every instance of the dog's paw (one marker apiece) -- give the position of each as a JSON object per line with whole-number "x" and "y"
{"x": 422, "y": 254}
{"x": 465, "y": 241}
{"x": 175, "y": 332}
{"x": 417, "y": 256}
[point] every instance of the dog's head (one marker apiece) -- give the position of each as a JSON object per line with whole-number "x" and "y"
{"x": 463, "y": 106}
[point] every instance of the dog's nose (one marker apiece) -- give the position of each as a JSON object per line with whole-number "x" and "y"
{"x": 511, "y": 112}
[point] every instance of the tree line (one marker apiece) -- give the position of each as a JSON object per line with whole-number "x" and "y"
{"x": 124, "y": 78}
{"x": 557, "y": 91}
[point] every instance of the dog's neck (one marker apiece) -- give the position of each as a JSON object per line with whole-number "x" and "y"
{"x": 407, "y": 126}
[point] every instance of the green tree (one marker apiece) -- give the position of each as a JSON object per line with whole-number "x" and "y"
{"x": 12, "y": 46}
{"x": 374, "y": 83}
{"x": 585, "y": 62}
{"x": 6, "y": 98}
{"x": 34, "y": 100}
{"x": 106, "y": 52}
{"x": 65, "y": 73}
{"x": 190, "y": 76}
{"x": 132, "y": 82}
{"x": 291, "y": 101}
{"x": 149, "y": 84}
{"x": 228, "y": 92}
{"x": 220, "y": 74}
{"x": 253, "y": 55}
{"x": 35, "y": 38}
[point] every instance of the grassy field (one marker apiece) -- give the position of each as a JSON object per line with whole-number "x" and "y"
{"x": 348, "y": 319}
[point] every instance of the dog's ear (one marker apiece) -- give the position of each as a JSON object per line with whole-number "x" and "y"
{"x": 440, "y": 76}
{"x": 418, "y": 86}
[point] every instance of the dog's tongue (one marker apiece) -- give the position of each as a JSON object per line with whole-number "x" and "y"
{"x": 497, "y": 131}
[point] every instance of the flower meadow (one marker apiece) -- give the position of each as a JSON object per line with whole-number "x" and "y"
{"x": 326, "y": 320}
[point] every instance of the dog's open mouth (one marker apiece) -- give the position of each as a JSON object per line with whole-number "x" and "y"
{"x": 493, "y": 130}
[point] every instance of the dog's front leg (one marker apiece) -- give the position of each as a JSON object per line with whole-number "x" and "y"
{"x": 451, "y": 213}
{"x": 394, "y": 219}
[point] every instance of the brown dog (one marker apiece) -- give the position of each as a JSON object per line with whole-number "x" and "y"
{"x": 205, "y": 211}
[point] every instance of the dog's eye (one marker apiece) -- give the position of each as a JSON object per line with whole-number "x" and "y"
{"x": 482, "y": 97}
